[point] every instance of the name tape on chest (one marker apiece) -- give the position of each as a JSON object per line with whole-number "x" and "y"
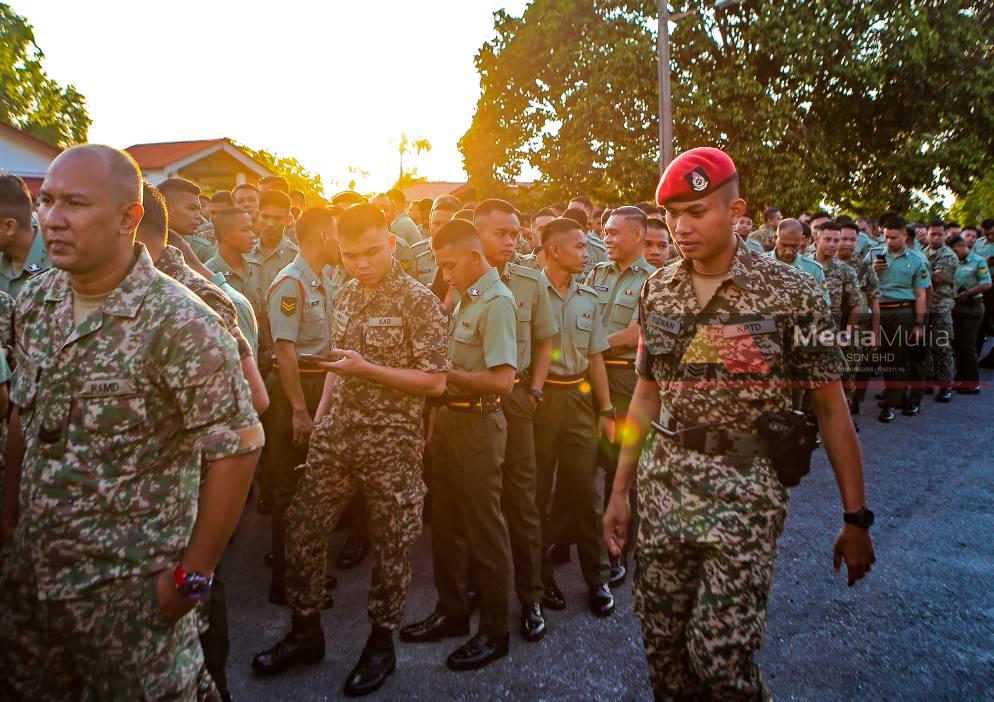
{"x": 109, "y": 387}
{"x": 668, "y": 325}
{"x": 341, "y": 318}
{"x": 601, "y": 288}
{"x": 385, "y": 322}
{"x": 762, "y": 326}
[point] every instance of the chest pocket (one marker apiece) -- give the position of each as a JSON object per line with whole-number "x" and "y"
{"x": 584, "y": 325}
{"x": 384, "y": 338}
{"x": 113, "y": 415}
{"x": 524, "y": 328}
{"x": 623, "y": 311}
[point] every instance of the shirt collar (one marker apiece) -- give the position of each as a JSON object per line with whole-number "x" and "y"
{"x": 482, "y": 283}
{"x": 640, "y": 264}
{"x": 740, "y": 272}
{"x": 127, "y": 297}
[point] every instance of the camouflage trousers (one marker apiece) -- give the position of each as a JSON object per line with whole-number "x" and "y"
{"x": 112, "y": 644}
{"x": 384, "y": 464}
{"x": 703, "y": 612}
{"x": 941, "y": 364}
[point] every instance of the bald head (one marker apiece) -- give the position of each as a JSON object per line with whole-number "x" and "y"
{"x": 790, "y": 226}
{"x": 116, "y": 171}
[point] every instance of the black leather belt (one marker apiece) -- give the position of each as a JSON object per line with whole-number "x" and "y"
{"x": 482, "y": 404}
{"x": 896, "y": 304}
{"x": 709, "y": 439}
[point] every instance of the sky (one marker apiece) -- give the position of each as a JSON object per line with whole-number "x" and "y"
{"x": 330, "y": 82}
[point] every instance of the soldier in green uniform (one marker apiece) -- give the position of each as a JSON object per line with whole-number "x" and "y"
{"x": 715, "y": 353}
{"x": 618, "y": 284}
{"x": 765, "y": 236}
{"x": 787, "y": 247}
{"x": 235, "y": 241}
{"x": 22, "y": 250}
{"x": 394, "y": 206}
{"x": 940, "y": 363}
{"x": 904, "y": 278}
{"x": 300, "y": 317}
{"x": 498, "y": 225}
{"x": 183, "y": 200}
{"x": 274, "y": 251}
{"x": 566, "y": 425}
{"x": 125, "y": 387}
{"x": 468, "y": 532}
{"x": 391, "y": 336}
{"x": 656, "y": 246}
{"x": 984, "y": 248}
{"x": 859, "y": 354}
{"x": 863, "y": 242}
{"x": 442, "y": 210}
{"x": 971, "y": 281}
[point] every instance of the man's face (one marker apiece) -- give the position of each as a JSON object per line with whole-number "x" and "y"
{"x": 386, "y": 206}
{"x": 623, "y": 237}
{"x": 569, "y": 250}
{"x": 895, "y": 239}
{"x": 580, "y": 206}
{"x": 952, "y": 231}
{"x": 413, "y": 212}
{"x": 921, "y": 235}
{"x": 499, "y": 234}
{"x": 828, "y": 243}
{"x": 962, "y": 250}
{"x": 847, "y": 244}
{"x": 815, "y": 223}
{"x": 702, "y": 228}
{"x": 774, "y": 221}
{"x": 239, "y": 234}
{"x": 863, "y": 226}
{"x": 439, "y": 217}
{"x": 789, "y": 242}
{"x": 272, "y": 220}
{"x": 369, "y": 256}
{"x": 656, "y": 246}
{"x": 460, "y": 265}
{"x": 536, "y": 231}
{"x": 83, "y": 216}
{"x": 184, "y": 212}
{"x": 212, "y": 209}
{"x": 989, "y": 233}
{"x": 936, "y": 237}
{"x": 248, "y": 200}
{"x": 744, "y": 226}
{"x": 969, "y": 236}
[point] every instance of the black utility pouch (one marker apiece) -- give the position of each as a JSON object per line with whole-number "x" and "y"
{"x": 790, "y": 438}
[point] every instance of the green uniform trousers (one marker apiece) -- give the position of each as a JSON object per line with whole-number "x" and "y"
{"x": 384, "y": 465}
{"x": 968, "y": 319}
{"x": 566, "y": 450}
{"x": 903, "y": 363}
{"x": 468, "y": 532}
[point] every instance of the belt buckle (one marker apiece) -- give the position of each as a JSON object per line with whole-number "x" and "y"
{"x": 665, "y": 431}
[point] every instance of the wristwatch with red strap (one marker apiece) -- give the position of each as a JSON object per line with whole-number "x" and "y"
{"x": 195, "y": 586}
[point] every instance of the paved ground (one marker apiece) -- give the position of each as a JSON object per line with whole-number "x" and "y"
{"x": 919, "y": 628}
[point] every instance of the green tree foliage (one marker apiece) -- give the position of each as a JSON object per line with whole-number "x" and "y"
{"x": 978, "y": 202}
{"x": 862, "y": 105}
{"x": 298, "y": 177}
{"x": 409, "y": 176}
{"x": 29, "y": 99}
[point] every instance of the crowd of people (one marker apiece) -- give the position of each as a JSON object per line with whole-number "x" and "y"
{"x": 459, "y": 363}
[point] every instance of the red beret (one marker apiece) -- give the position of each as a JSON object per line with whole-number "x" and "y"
{"x": 694, "y": 174}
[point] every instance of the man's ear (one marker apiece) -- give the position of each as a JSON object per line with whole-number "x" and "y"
{"x": 8, "y": 227}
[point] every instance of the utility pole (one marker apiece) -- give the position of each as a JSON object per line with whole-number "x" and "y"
{"x": 665, "y": 104}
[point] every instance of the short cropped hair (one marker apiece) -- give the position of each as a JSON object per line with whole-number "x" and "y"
{"x": 544, "y": 212}
{"x": 173, "y": 186}
{"x": 558, "y": 226}
{"x": 955, "y": 239}
{"x": 936, "y": 223}
{"x": 583, "y": 200}
{"x": 894, "y": 222}
{"x": 359, "y": 219}
{"x": 455, "y": 231}
{"x": 831, "y": 225}
{"x": 631, "y": 212}
{"x": 313, "y": 221}
{"x": 245, "y": 186}
{"x": 606, "y": 215}
{"x": 769, "y": 213}
{"x": 447, "y": 203}
{"x": 223, "y": 219}
{"x": 222, "y": 197}
{"x": 155, "y": 221}
{"x": 15, "y": 200}
{"x": 276, "y": 182}
{"x": 821, "y": 213}
{"x": 275, "y": 198}
{"x": 464, "y": 214}
{"x": 396, "y": 197}
{"x": 485, "y": 208}
{"x": 987, "y": 224}
{"x": 347, "y": 198}
{"x": 952, "y": 225}
{"x": 578, "y": 216}
{"x": 657, "y": 224}
{"x": 649, "y": 208}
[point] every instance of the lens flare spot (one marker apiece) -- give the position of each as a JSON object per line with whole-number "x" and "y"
{"x": 585, "y": 387}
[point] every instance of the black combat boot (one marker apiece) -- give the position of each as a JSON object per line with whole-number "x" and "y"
{"x": 304, "y": 644}
{"x": 375, "y": 664}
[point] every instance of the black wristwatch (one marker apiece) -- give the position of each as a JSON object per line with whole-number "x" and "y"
{"x": 863, "y": 518}
{"x": 537, "y": 394}
{"x": 609, "y": 413}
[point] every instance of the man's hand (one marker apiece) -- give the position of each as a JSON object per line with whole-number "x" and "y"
{"x": 172, "y": 604}
{"x": 879, "y": 265}
{"x": 607, "y": 428}
{"x": 616, "y": 523}
{"x": 854, "y": 546}
{"x": 302, "y": 425}
{"x": 350, "y": 363}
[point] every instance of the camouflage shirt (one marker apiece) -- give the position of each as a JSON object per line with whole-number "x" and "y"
{"x": 766, "y": 236}
{"x": 943, "y": 262}
{"x": 172, "y": 263}
{"x": 118, "y": 414}
{"x": 728, "y": 362}
{"x": 869, "y": 283}
{"x": 398, "y": 324}
{"x": 842, "y": 286}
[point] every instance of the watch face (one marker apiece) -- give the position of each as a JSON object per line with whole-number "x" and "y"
{"x": 196, "y": 586}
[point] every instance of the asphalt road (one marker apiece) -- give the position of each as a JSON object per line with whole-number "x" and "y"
{"x": 920, "y": 627}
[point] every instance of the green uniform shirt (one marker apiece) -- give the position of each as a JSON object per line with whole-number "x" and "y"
{"x": 984, "y": 248}
{"x": 300, "y": 308}
{"x": 528, "y": 260}
{"x": 35, "y": 263}
{"x": 482, "y": 328}
{"x": 755, "y": 245}
{"x": 270, "y": 266}
{"x": 810, "y": 266}
{"x": 905, "y": 273}
{"x": 248, "y": 323}
{"x": 119, "y": 415}
{"x": 405, "y": 228}
{"x": 596, "y": 253}
{"x": 972, "y": 270}
{"x": 405, "y": 255}
{"x": 246, "y": 281}
{"x": 617, "y": 297}
{"x": 581, "y": 331}
{"x": 424, "y": 265}
{"x": 943, "y": 263}
{"x": 532, "y": 309}
{"x": 863, "y": 244}
{"x": 201, "y": 246}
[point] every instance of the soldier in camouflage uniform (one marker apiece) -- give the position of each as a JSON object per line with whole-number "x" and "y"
{"x": 766, "y": 235}
{"x": 714, "y": 353}
{"x": 7, "y": 352}
{"x": 859, "y": 355}
{"x": 120, "y": 396}
{"x": 390, "y": 332}
{"x": 940, "y": 363}
{"x": 22, "y": 250}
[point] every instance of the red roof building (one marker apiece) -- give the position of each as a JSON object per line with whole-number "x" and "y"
{"x": 213, "y": 164}
{"x": 26, "y": 156}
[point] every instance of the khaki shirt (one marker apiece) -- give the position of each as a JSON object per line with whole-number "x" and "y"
{"x": 618, "y": 294}
{"x": 405, "y": 228}
{"x": 300, "y": 308}
{"x": 404, "y": 254}
{"x": 482, "y": 327}
{"x": 270, "y": 266}
{"x": 424, "y": 264}
{"x": 581, "y": 331}
{"x": 532, "y": 307}
{"x": 596, "y": 253}
{"x": 248, "y": 322}
{"x": 203, "y": 247}
{"x": 247, "y": 281}
{"x": 118, "y": 416}
{"x": 35, "y": 263}
{"x": 398, "y": 324}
